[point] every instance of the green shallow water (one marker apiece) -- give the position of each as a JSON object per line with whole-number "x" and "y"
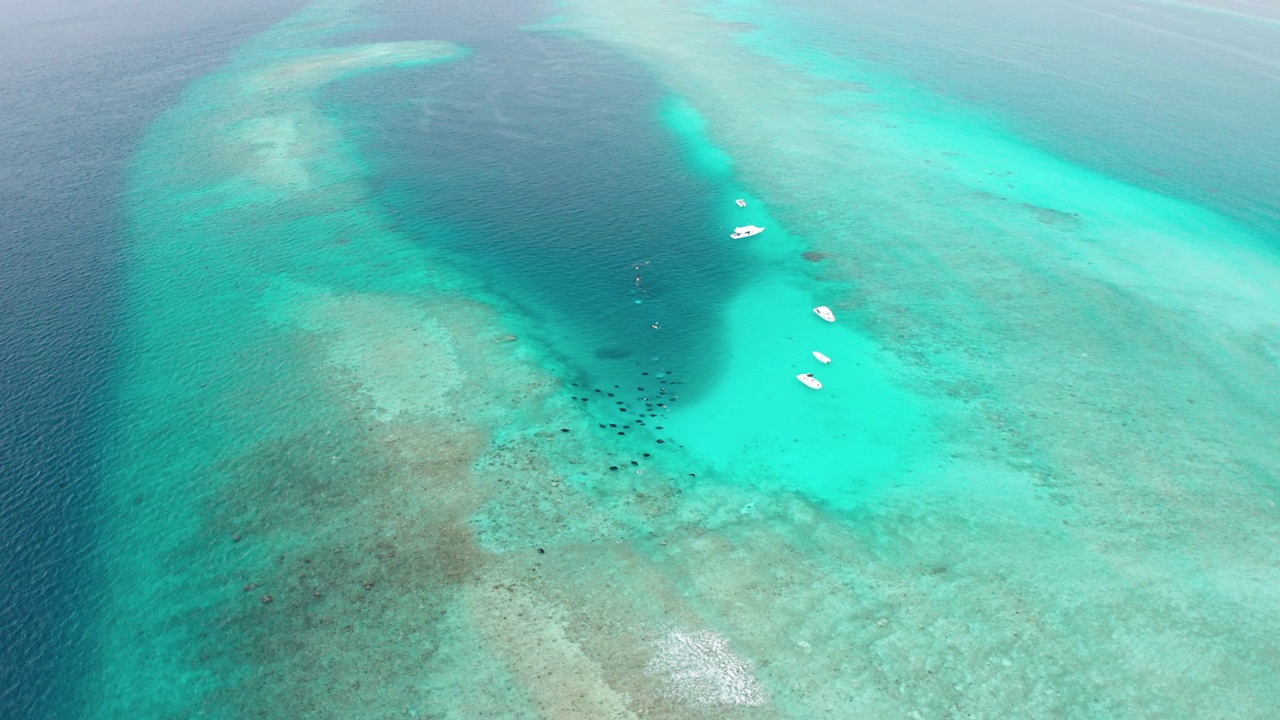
{"x": 1036, "y": 483}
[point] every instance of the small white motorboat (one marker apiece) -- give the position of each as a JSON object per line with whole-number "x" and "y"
{"x": 822, "y": 358}
{"x": 825, "y": 313}
{"x": 741, "y": 202}
{"x": 746, "y": 231}
{"x": 810, "y": 380}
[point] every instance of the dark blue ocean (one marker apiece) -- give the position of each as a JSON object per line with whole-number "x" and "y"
{"x": 79, "y": 83}
{"x": 563, "y": 192}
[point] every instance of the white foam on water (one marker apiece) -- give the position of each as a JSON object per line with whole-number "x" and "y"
{"x": 701, "y": 669}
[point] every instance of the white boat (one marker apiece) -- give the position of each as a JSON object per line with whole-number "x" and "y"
{"x": 741, "y": 202}
{"x": 822, "y": 358}
{"x": 810, "y": 380}
{"x": 825, "y": 313}
{"x": 746, "y": 231}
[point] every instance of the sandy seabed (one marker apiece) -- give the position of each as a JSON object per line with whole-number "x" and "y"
{"x": 346, "y": 484}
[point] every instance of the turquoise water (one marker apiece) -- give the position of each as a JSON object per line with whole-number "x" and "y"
{"x": 1168, "y": 96}
{"x": 79, "y": 83}
{"x": 444, "y": 393}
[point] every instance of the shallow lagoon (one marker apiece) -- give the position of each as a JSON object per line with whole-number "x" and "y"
{"x": 366, "y": 431}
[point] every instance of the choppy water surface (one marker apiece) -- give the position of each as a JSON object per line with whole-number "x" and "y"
{"x": 440, "y": 389}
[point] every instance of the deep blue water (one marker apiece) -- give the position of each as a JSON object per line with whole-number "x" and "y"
{"x": 79, "y": 82}
{"x": 563, "y": 190}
